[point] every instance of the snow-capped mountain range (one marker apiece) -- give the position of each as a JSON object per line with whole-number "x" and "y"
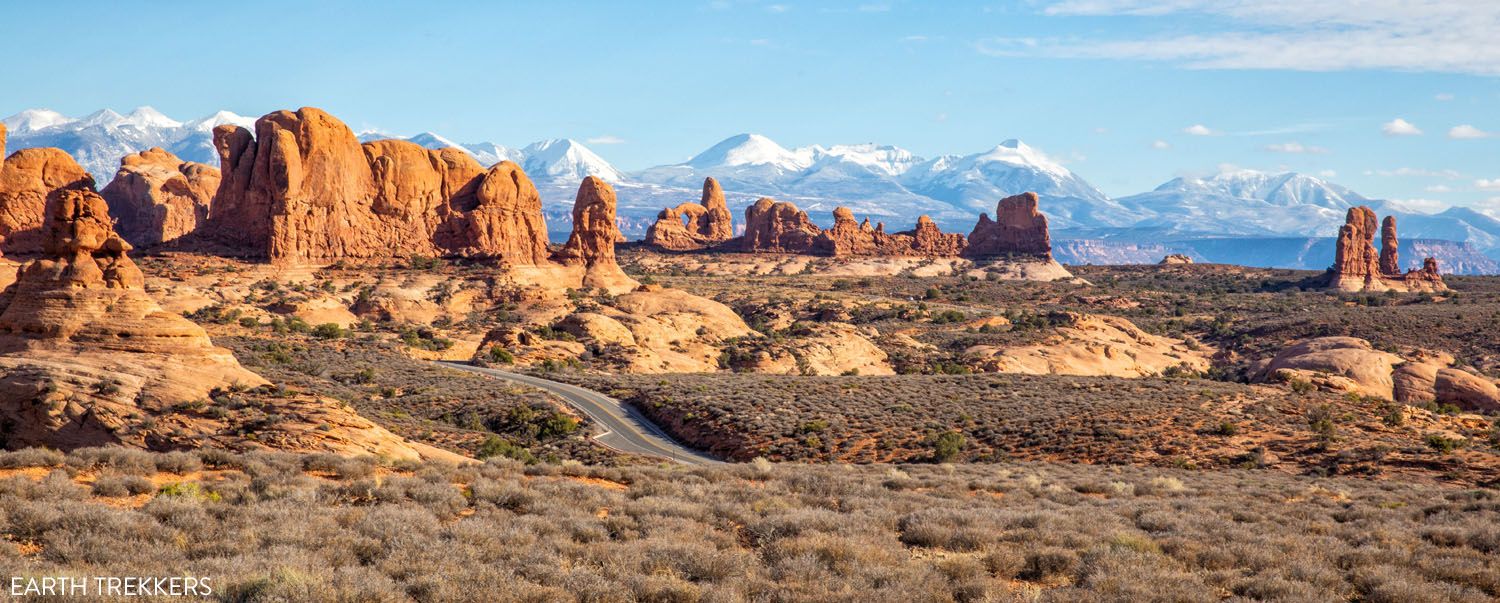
{"x": 98, "y": 140}
{"x": 884, "y": 182}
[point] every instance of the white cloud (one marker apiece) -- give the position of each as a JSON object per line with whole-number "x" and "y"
{"x": 606, "y": 139}
{"x": 1466, "y": 131}
{"x": 1295, "y": 148}
{"x": 1199, "y": 130}
{"x": 1443, "y": 96}
{"x": 1161, "y": 145}
{"x": 1439, "y": 188}
{"x": 778, "y": 8}
{"x": 1450, "y": 36}
{"x": 1487, "y": 184}
{"x": 1416, "y": 172}
{"x": 1400, "y": 127}
{"x": 915, "y": 38}
{"x": 1328, "y": 174}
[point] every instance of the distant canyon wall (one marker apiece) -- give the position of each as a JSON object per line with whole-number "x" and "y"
{"x": 1300, "y": 253}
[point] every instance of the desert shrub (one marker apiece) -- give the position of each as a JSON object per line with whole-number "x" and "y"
{"x": 1049, "y": 563}
{"x": 122, "y": 485}
{"x": 329, "y": 330}
{"x": 125, "y": 460}
{"x": 31, "y": 457}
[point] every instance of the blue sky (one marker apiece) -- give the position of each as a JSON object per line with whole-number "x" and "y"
{"x": 1127, "y": 93}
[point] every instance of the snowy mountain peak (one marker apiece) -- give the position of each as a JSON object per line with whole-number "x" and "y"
{"x": 885, "y": 159}
{"x": 103, "y": 117}
{"x": 567, "y": 159}
{"x": 1282, "y": 189}
{"x": 147, "y": 117}
{"x": 1017, "y": 153}
{"x": 32, "y": 120}
{"x": 752, "y": 150}
{"x": 431, "y": 140}
{"x": 207, "y": 124}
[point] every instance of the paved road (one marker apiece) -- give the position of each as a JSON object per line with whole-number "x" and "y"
{"x": 626, "y": 429}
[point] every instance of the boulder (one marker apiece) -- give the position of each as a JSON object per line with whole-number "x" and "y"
{"x": 1093, "y": 345}
{"x": 596, "y": 328}
{"x": 1019, "y": 228}
{"x": 1340, "y": 363}
{"x": 830, "y": 348}
{"x": 1175, "y": 258}
{"x": 159, "y": 198}
{"x": 1466, "y": 390}
{"x": 1415, "y": 382}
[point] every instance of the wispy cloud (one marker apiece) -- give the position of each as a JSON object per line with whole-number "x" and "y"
{"x": 1161, "y": 145}
{"x": 606, "y": 139}
{"x": 1405, "y": 172}
{"x": 777, "y": 8}
{"x": 1451, "y": 36}
{"x": 1295, "y": 148}
{"x": 1487, "y": 184}
{"x": 1199, "y": 130}
{"x": 1400, "y": 127}
{"x": 1466, "y": 131}
{"x": 1439, "y": 188}
{"x": 1443, "y": 96}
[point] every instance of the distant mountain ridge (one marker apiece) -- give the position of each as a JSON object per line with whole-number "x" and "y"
{"x": 100, "y": 139}
{"x": 884, "y": 182}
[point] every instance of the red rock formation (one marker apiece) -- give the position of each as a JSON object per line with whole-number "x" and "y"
{"x": 497, "y": 215}
{"x": 1018, "y": 229}
{"x": 1354, "y": 255}
{"x": 717, "y": 224}
{"x": 26, "y": 178}
{"x": 693, "y": 226}
{"x": 158, "y": 198}
{"x": 850, "y": 238}
{"x": 594, "y": 231}
{"x": 87, "y": 358}
{"x": 1390, "y": 261}
{"x": 777, "y": 227}
{"x": 302, "y": 188}
{"x": 929, "y": 240}
{"x": 592, "y": 242}
{"x": 1358, "y": 267}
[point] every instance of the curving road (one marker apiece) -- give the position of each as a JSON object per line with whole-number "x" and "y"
{"x": 625, "y": 428}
